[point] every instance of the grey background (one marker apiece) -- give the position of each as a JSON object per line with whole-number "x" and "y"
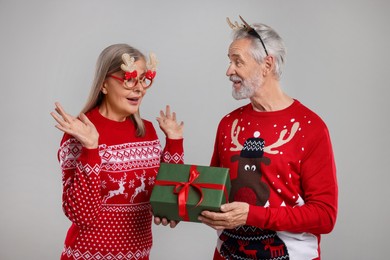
{"x": 337, "y": 64}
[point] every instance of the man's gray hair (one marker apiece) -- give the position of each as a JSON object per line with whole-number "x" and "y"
{"x": 272, "y": 41}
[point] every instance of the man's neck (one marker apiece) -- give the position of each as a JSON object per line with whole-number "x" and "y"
{"x": 270, "y": 97}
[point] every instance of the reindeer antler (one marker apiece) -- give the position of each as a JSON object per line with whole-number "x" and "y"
{"x": 141, "y": 176}
{"x": 238, "y": 146}
{"x": 281, "y": 141}
{"x": 129, "y": 66}
{"x": 152, "y": 63}
{"x": 236, "y": 26}
{"x": 151, "y": 66}
{"x": 123, "y": 178}
{"x": 233, "y": 26}
{"x": 112, "y": 179}
{"x": 268, "y": 149}
{"x": 129, "y": 63}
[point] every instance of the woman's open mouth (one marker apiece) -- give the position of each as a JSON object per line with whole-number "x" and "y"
{"x": 133, "y": 100}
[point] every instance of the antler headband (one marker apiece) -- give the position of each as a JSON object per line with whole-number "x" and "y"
{"x": 250, "y": 30}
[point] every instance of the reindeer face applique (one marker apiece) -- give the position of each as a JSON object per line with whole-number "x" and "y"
{"x": 248, "y": 186}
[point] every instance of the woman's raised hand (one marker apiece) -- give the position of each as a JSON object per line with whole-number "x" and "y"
{"x": 80, "y": 127}
{"x": 168, "y": 124}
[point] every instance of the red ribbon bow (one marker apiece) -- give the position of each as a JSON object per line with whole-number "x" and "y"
{"x": 130, "y": 75}
{"x": 150, "y": 74}
{"x": 182, "y": 189}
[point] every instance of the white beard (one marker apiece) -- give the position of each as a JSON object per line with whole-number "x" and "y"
{"x": 248, "y": 86}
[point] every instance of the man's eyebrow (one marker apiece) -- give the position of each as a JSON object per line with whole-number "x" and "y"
{"x": 234, "y": 55}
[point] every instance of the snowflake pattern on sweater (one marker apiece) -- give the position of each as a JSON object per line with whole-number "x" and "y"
{"x": 106, "y": 190}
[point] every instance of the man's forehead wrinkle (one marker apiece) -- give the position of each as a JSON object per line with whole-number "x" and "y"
{"x": 234, "y": 55}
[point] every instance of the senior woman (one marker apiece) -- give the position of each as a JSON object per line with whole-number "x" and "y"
{"x": 109, "y": 157}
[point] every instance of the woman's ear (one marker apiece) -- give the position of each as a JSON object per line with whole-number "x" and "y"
{"x": 104, "y": 88}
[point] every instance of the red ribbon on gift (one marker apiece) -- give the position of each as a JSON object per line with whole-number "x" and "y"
{"x": 182, "y": 189}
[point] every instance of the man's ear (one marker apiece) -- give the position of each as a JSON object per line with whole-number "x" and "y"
{"x": 269, "y": 64}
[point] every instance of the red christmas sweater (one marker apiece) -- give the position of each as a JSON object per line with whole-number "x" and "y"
{"x": 282, "y": 164}
{"x": 106, "y": 190}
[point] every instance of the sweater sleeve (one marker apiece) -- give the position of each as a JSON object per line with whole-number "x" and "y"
{"x": 215, "y": 161}
{"x": 319, "y": 185}
{"x": 173, "y": 151}
{"x": 215, "y": 158}
{"x": 81, "y": 199}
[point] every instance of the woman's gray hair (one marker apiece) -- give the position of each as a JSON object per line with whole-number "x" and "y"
{"x": 109, "y": 61}
{"x": 272, "y": 41}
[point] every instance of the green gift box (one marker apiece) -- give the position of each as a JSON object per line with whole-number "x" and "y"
{"x": 183, "y": 191}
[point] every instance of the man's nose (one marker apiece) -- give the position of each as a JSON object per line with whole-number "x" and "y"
{"x": 230, "y": 71}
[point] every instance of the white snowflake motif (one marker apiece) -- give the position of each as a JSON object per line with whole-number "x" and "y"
{"x": 103, "y": 184}
{"x": 131, "y": 184}
{"x": 151, "y": 180}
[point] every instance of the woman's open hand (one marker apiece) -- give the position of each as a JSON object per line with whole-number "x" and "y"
{"x": 168, "y": 124}
{"x": 80, "y": 128}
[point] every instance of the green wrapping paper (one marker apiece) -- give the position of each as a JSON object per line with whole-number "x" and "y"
{"x": 182, "y": 191}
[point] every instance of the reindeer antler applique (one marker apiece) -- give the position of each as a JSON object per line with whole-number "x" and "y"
{"x": 235, "y": 142}
{"x": 151, "y": 66}
{"x": 282, "y": 139}
{"x": 270, "y": 149}
{"x": 129, "y": 66}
